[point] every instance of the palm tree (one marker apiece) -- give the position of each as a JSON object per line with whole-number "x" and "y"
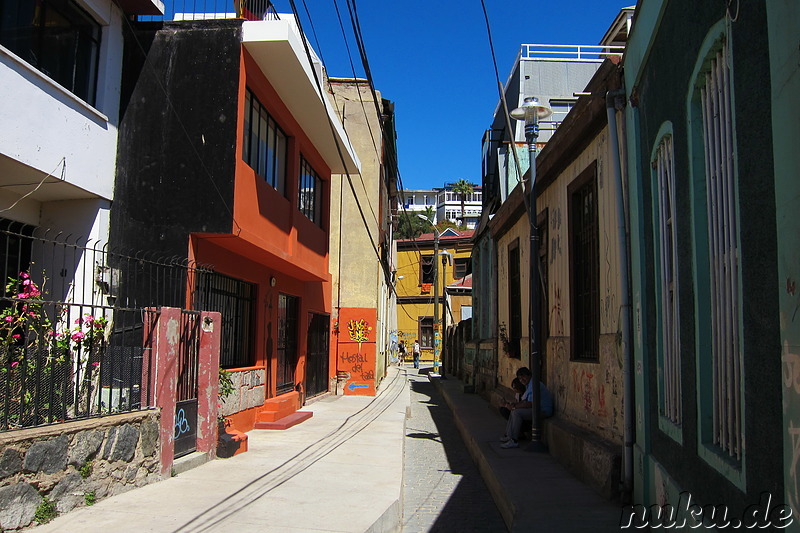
{"x": 462, "y": 188}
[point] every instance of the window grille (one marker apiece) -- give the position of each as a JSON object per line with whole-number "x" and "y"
{"x": 310, "y": 193}
{"x": 426, "y": 332}
{"x": 264, "y": 143}
{"x": 664, "y": 171}
{"x": 585, "y": 299}
{"x": 715, "y": 99}
{"x": 514, "y": 301}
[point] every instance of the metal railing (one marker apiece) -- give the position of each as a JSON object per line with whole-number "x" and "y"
{"x": 73, "y": 341}
{"x": 568, "y": 52}
{"x": 214, "y": 9}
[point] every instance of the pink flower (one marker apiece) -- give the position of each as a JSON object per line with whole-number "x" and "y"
{"x": 96, "y": 364}
{"x": 78, "y": 320}
{"x": 24, "y": 275}
{"x": 9, "y": 318}
{"x": 32, "y": 314}
{"x": 16, "y": 336}
{"x": 78, "y": 336}
{"x": 88, "y": 319}
{"x": 15, "y": 364}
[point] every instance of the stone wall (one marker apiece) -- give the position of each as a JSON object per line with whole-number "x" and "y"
{"x": 75, "y": 463}
{"x": 250, "y": 391}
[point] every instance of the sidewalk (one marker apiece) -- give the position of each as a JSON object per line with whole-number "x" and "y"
{"x": 532, "y": 490}
{"x": 339, "y": 471}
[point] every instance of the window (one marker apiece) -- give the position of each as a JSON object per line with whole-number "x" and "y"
{"x": 56, "y": 37}
{"x": 426, "y": 332}
{"x": 426, "y": 266}
{"x": 514, "y": 300}
{"x": 264, "y": 144}
{"x": 718, "y": 293}
{"x": 288, "y": 308}
{"x": 235, "y": 300}
{"x": 666, "y": 265}
{"x": 310, "y": 193}
{"x": 585, "y": 305}
{"x": 462, "y": 267}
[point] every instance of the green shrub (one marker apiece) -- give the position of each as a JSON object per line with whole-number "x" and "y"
{"x": 46, "y": 511}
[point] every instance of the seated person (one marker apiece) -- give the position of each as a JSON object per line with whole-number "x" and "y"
{"x": 519, "y": 390}
{"x": 523, "y": 410}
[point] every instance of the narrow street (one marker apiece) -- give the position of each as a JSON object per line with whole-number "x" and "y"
{"x": 442, "y": 488}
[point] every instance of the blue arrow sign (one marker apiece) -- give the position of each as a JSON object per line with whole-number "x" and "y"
{"x": 353, "y": 386}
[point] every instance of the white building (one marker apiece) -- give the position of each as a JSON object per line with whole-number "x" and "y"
{"x": 446, "y": 204}
{"x": 60, "y": 86}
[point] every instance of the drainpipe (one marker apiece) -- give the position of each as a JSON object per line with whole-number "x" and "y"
{"x": 625, "y": 305}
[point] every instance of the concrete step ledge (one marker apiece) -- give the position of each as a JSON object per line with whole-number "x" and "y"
{"x": 187, "y": 462}
{"x": 286, "y": 422}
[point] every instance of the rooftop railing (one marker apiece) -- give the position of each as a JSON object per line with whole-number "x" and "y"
{"x": 568, "y": 52}
{"x": 215, "y": 9}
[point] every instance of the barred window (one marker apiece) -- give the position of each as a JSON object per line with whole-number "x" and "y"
{"x": 722, "y": 265}
{"x": 666, "y": 237}
{"x": 310, "y": 193}
{"x": 585, "y": 266}
{"x": 264, "y": 143}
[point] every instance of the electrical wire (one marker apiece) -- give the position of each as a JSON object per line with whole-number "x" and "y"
{"x": 62, "y": 162}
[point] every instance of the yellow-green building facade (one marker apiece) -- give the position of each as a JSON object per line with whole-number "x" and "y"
{"x": 415, "y": 287}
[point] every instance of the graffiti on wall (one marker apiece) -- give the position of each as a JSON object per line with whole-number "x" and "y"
{"x": 556, "y": 320}
{"x": 555, "y": 234}
{"x": 791, "y": 384}
{"x": 356, "y": 353}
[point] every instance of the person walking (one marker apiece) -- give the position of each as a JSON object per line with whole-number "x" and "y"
{"x": 401, "y": 353}
{"x": 416, "y": 353}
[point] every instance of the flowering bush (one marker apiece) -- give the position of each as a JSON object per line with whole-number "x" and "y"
{"x": 50, "y": 371}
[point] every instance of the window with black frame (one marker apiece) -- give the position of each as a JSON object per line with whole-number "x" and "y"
{"x": 426, "y": 332}
{"x": 585, "y": 274}
{"x": 264, "y": 143}
{"x": 310, "y": 193}
{"x": 56, "y": 37}
{"x": 426, "y": 274}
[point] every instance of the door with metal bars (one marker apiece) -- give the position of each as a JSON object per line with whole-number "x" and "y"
{"x": 318, "y": 353}
{"x": 186, "y": 399}
{"x": 288, "y": 308}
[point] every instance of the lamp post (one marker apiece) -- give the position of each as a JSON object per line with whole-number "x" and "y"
{"x": 435, "y": 296}
{"x": 531, "y": 112}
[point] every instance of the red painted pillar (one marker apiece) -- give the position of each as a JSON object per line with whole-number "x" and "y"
{"x": 208, "y": 383}
{"x": 163, "y": 380}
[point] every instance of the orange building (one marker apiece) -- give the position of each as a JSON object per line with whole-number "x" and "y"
{"x": 227, "y": 147}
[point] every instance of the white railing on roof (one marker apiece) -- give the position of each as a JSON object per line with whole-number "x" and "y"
{"x": 568, "y": 52}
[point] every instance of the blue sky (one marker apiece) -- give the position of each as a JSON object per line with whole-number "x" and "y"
{"x": 433, "y": 60}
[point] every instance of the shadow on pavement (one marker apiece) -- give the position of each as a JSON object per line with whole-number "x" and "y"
{"x": 470, "y": 507}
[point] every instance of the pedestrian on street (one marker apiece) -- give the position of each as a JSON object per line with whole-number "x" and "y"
{"x": 416, "y": 353}
{"x": 401, "y": 353}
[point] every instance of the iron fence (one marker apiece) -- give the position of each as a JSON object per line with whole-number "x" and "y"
{"x": 74, "y": 341}
{"x": 214, "y": 9}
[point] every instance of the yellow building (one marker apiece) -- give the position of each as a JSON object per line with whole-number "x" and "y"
{"x": 416, "y": 289}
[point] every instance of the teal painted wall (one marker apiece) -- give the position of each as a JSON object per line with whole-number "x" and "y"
{"x": 783, "y": 17}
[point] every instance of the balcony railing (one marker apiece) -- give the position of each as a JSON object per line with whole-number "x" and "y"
{"x": 568, "y": 52}
{"x": 215, "y": 9}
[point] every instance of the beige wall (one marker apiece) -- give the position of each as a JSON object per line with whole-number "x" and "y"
{"x": 587, "y": 394}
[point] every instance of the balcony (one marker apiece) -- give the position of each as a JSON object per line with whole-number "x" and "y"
{"x": 568, "y": 52}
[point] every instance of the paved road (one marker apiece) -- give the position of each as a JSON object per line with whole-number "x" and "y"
{"x": 443, "y": 490}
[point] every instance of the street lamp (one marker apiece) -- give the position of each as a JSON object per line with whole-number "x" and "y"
{"x": 531, "y": 112}
{"x": 447, "y": 259}
{"x": 435, "y": 296}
